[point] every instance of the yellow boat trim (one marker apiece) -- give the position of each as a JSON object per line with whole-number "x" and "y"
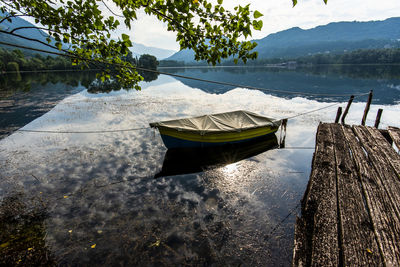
{"x": 218, "y": 137}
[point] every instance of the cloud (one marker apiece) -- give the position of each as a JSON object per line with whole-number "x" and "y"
{"x": 149, "y": 31}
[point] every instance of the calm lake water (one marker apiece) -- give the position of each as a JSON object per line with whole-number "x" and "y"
{"x": 80, "y": 199}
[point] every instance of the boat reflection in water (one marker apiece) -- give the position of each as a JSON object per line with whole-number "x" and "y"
{"x": 179, "y": 161}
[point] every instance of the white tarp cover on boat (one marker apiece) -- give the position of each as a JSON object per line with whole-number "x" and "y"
{"x": 223, "y": 122}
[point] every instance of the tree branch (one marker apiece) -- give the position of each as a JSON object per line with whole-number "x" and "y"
{"x": 175, "y": 21}
{"x": 169, "y": 18}
{"x": 33, "y": 40}
{"x": 111, "y": 10}
{"x": 27, "y": 27}
{"x": 8, "y": 17}
{"x": 45, "y": 29}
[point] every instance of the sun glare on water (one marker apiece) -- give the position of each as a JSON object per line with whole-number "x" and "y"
{"x": 230, "y": 169}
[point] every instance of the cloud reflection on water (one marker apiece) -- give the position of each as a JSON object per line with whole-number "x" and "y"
{"x": 99, "y": 188}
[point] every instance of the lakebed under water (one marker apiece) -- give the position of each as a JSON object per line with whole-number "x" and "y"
{"x": 92, "y": 198}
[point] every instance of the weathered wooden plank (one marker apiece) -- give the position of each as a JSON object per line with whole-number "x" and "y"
{"x": 383, "y": 166}
{"x": 300, "y": 243}
{"x": 320, "y": 204}
{"x": 356, "y": 237}
{"x": 395, "y": 134}
{"x": 385, "y": 133}
{"x": 376, "y": 182}
{"x": 387, "y": 150}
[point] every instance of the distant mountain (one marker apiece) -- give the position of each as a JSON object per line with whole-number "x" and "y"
{"x": 30, "y": 33}
{"x": 186, "y": 55}
{"x": 159, "y": 53}
{"x": 337, "y": 37}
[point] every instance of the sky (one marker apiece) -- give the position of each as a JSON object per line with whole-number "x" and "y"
{"x": 278, "y": 15}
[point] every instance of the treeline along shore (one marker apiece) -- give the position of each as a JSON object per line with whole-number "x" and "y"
{"x": 362, "y": 56}
{"x": 17, "y": 61}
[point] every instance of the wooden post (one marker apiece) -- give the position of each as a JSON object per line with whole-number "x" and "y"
{"x": 347, "y": 108}
{"x": 339, "y": 112}
{"x": 283, "y": 133}
{"x": 378, "y": 117}
{"x": 367, "y": 108}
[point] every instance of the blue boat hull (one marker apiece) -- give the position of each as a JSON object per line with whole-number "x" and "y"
{"x": 172, "y": 142}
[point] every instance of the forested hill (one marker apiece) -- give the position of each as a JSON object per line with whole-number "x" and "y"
{"x": 337, "y": 37}
{"x": 27, "y": 32}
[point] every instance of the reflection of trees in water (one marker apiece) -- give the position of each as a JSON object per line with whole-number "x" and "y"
{"x": 108, "y": 86}
{"x": 13, "y": 83}
{"x": 23, "y": 232}
{"x": 352, "y": 71}
{"x": 316, "y": 79}
{"x": 149, "y": 76}
{"x": 16, "y": 82}
{"x": 355, "y": 71}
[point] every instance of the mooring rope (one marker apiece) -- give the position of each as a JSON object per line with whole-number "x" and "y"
{"x": 318, "y": 109}
{"x": 82, "y": 132}
{"x": 283, "y": 220}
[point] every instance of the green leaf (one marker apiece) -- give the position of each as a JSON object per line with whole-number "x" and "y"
{"x": 295, "y": 2}
{"x": 257, "y": 25}
{"x": 257, "y": 14}
{"x": 220, "y": 2}
{"x": 125, "y": 37}
{"x": 58, "y": 45}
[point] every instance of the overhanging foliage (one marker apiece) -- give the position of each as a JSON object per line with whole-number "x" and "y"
{"x": 210, "y": 30}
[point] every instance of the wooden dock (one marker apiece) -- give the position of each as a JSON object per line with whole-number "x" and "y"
{"x": 351, "y": 208}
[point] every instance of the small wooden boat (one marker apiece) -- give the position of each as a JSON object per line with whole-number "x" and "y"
{"x": 216, "y": 129}
{"x": 179, "y": 161}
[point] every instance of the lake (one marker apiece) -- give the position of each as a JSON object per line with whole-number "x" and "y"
{"x": 99, "y": 198}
